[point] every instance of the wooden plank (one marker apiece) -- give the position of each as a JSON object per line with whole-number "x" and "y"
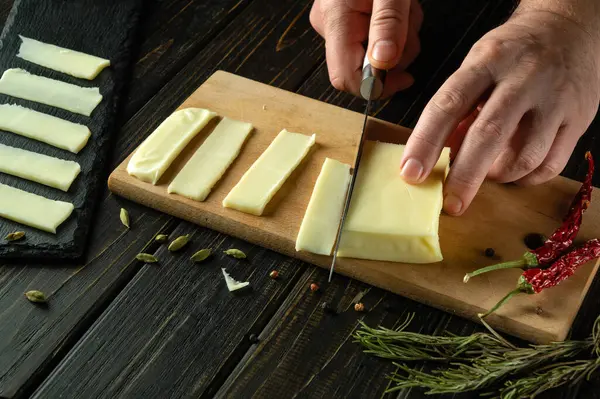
{"x": 105, "y": 30}
{"x": 24, "y": 363}
{"x": 176, "y": 310}
{"x": 499, "y": 215}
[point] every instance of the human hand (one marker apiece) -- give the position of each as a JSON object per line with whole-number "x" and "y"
{"x": 391, "y": 27}
{"x": 536, "y": 80}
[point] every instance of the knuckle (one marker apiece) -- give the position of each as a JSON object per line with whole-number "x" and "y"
{"x": 339, "y": 83}
{"x": 549, "y": 170}
{"x": 388, "y": 19}
{"x": 451, "y": 101}
{"x": 488, "y": 129}
{"x": 526, "y": 161}
{"x": 465, "y": 181}
{"x": 489, "y": 50}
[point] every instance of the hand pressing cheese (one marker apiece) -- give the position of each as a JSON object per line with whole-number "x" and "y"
{"x": 389, "y": 219}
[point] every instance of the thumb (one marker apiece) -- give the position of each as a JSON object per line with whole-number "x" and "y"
{"x": 388, "y": 32}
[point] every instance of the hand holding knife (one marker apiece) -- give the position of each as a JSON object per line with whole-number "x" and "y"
{"x": 371, "y": 88}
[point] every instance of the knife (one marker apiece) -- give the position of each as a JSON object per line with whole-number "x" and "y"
{"x": 371, "y": 88}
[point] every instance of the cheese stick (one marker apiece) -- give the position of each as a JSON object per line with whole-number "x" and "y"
{"x": 22, "y": 84}
{"x": 61, "y": 59}
{"x": 33, "y": 210}
{"x": 42, "y": 127}
{"x": 50, "y": 171}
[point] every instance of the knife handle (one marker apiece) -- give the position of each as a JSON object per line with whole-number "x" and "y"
{"x": 371, "y": 77}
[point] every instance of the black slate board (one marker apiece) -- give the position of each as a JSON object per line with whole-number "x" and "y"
{"x": 106, "y": 29}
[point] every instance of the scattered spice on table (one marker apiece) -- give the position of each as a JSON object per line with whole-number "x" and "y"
{"x": 253, "y": 338}
{"x": 16, "y": 236}
{"x": 274, "y": 274}
{"x": 36, "y": 296}
{"x": 314, "y": 287}
{"x": 161, "y": 238}
{"x": 201, "y": 255}
{"x": 359, "y": 307}
{"x": 236, "y": 253}
{"x": 533, "y": 281}
{"x": 489, "y": 252}
{"x": 179, "y": 243}
{"x": 562, "y": 238}
{"x": 124, "y": 215}
{"x": 146, "y": 258}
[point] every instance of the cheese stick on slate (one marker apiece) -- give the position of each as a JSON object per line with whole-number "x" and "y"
{"x": 33, "y": 210}
{"x": 42, "y": 127}
{"x": 60, "y": 59}
{"x": 22, "y": 84}
{"x": 50, "y": 171}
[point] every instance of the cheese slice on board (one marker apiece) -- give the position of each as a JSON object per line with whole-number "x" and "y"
{"x": 154, "y": 156}
{"x": 43, "y": 127}
{"x": 389, "y": 219}
{"x": 22, "y": 84}
{"x": 39, "y": 168}
{"x": 211, "y": 160}
{"x": 61, "y": 59}
{"x": 321, "y": 221}
{"x": 268, "y": 173}
{"x": 33, "y": 210}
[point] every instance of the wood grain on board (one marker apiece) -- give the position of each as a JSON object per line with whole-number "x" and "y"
{"x": 499, "y": 217}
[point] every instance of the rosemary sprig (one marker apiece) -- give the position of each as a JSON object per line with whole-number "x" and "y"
{"x": 481, "y": 360}
{"x": 399, "y": 344}
{"x": 551, "y": 376}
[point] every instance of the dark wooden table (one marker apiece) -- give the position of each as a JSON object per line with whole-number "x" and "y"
{"x": 117, "y": 328}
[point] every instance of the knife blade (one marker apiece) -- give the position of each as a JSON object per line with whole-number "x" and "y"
{"x": 371, "y": 88}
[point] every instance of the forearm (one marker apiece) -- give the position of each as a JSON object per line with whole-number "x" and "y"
{"x": 584, "y": 13}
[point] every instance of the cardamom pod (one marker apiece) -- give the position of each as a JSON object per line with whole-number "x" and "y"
{"x": 161, "y": 238}
{"x": 179, "y": 243}
{"x": 201, "y": 255}
{"x": 236, "y": 253}
{"x": 35, "y": 296}
{"x": 17, "y": 235}
{"x": 125, "y": 217}
{"x": 146, "y": 258}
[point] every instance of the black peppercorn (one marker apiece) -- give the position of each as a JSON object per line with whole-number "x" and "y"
{"x": 327, "y": 308}
{"x": 253, "y": 338}
{"x": 489, "y": 252}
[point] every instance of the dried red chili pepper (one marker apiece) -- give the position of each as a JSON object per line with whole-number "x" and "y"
{"x": 561, "y": 240}
{"x": 533, "y": 281}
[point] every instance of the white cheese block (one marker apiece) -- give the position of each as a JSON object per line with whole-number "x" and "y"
{"x": 389, "y": 219}
{"x": 60, "y": 59}
{"x": 160, "y": 149}
{"x": 33, "y": 210}
{"x": 20, "y": 83}
{"x": 39, "y": 168}
{"x": 211, "y": 160}
{"x": 321, "y": 221}
{"x": 266, "y": 176}
{"x": 42, "y": 127}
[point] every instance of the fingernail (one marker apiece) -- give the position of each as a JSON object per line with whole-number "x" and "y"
{"x": 384, "y": 50}
{"x": 412, "y": 170}
{"x": 452, "y": 204}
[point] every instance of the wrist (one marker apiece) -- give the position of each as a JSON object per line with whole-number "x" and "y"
{"x": 585, "y": 14}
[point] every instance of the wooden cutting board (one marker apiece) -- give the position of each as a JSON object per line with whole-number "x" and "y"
{"x": 500, "y": 216}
